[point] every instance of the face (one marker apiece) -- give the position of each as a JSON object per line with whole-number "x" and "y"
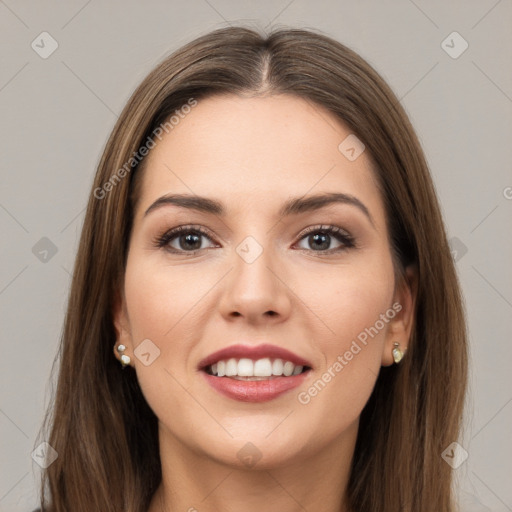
{"x": 316, "y": 280}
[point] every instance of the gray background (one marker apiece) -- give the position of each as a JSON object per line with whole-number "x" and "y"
{"x": 57, "y": 113}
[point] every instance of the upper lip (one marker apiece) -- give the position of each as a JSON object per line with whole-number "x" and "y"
{"x": 252, "y": 352}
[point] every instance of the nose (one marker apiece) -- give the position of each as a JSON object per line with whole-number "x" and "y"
{"x": 255, "y": 290}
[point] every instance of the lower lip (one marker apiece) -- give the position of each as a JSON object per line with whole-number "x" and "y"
{"x": 255, "y": 390}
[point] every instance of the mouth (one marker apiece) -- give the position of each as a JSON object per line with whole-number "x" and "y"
{"x": 246, "y": 361}
{"x": 255, "y": 370}
{"x": 254, "y": 374}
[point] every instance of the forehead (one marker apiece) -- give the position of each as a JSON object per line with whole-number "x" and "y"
{"x": 247, "y": 150}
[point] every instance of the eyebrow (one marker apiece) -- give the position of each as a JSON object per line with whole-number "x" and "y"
{"x": 294, "y": 206}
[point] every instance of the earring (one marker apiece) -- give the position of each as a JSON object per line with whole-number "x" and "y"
{"x": 125, "y": 360}
{"x": 397, "y": 353}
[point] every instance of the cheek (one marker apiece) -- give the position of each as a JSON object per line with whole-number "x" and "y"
{"x": 354, "y": 306}
{"x": 350, "y": 299}
{"x": 168, "y": 306}
{"x": 359, "y": 306}
{"x": 351, "y": 307}
{"x": 158, "y": 302}
{"x": 157, "y": 296}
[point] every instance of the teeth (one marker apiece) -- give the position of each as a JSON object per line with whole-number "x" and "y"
{"x": 297, "y": 370}
{"x": 288, "y": 368}
{"x": 248, "y": 368}
{"x": 262, "y": 368}
{"x": 245, "y": 368}
{"x": 231, "y": 368}
{"x": 277, "y": 367}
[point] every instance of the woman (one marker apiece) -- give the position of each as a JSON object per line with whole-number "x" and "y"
{"x": 264, "y": 313}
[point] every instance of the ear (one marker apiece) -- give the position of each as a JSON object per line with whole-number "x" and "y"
{"x": 122, "y": 326}
{"x": 400, "y": 327}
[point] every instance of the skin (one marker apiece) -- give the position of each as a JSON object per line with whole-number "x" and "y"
{"x": 253, "y": 154}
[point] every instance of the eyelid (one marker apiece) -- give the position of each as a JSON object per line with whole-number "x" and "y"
{"x": 324, "y": 227}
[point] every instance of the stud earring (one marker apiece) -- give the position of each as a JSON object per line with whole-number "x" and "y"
{"x": 125, "y": 360}
{"x": 397, "y": 353}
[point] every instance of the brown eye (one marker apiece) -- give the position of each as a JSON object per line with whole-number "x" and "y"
{"x": 321, "y": 238}
{"x": 183, "y": 239}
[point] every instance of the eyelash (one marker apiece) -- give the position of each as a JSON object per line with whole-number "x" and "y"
{"x": 341, "y": 235}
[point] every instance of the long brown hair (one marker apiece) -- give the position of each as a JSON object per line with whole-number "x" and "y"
{"x": 100, "y": 424}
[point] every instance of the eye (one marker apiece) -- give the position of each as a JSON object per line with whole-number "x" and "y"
{"x": 321, "y": 237}
{"x": 189, "y": 239}
{"x": 186, "y": 238}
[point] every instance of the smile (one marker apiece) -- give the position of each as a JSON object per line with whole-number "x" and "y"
{"x": 261, "y": 369}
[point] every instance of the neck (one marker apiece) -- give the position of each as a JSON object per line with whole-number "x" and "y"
{"x": 197, "y": 482}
